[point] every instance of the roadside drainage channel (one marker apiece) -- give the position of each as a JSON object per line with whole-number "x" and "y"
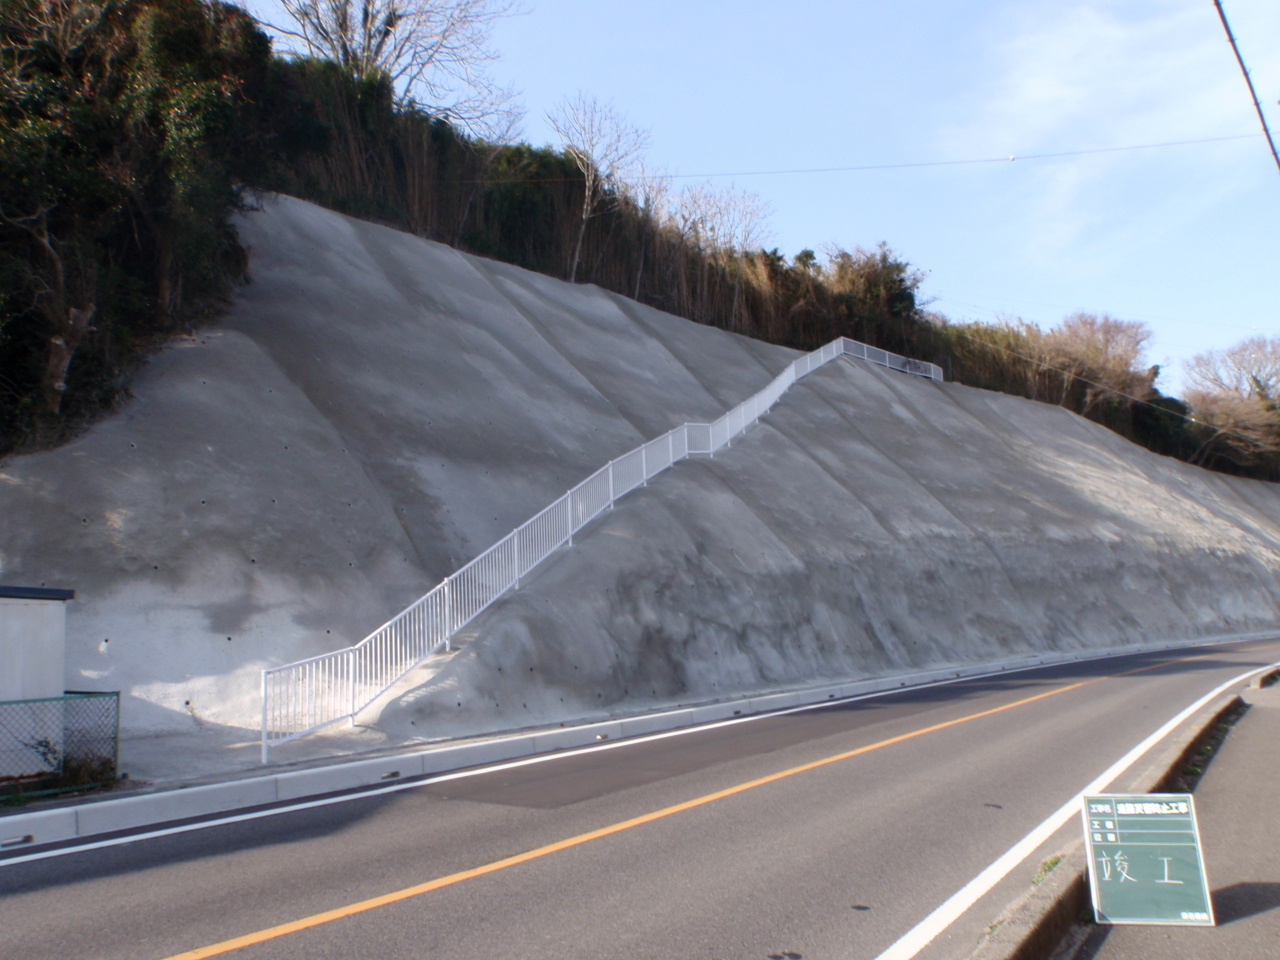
{"x": 22, "y": 833}
{"x": 1034, "y": 925}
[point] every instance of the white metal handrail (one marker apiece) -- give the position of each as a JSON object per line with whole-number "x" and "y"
{"x": 301, "y": 698}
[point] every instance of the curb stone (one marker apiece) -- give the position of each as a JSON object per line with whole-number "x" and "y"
{"x": 22, "y": 832}
{"x": 1033, "y": 925}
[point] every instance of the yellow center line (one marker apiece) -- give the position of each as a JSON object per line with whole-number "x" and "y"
{"x": 362, "y": 906}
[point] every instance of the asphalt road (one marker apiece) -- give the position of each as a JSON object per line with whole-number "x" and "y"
{"x": 826, "y": 833}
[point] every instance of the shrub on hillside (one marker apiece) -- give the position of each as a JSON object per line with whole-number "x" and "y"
{"x": 126, "y": 130}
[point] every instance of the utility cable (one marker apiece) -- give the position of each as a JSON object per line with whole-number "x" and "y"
{"x": 1222, "y": 15}
{"x": 900, "y": 166}
{"x": 956, "y": 163}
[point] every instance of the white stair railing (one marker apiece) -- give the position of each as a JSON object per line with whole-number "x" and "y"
{"x": 301, "y": 698}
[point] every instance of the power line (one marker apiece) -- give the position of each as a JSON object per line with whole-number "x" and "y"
{"x": 1222, "y": 15}
{"x": 956, "y": 163}
{"x": 908, "y": 166}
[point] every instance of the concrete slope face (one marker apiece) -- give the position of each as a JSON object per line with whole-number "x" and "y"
{"x": 872, "y": 523}
{"x": 376, "y": 410}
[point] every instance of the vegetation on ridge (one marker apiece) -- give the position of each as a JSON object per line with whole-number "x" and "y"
{"x": 132, "y": 130}
{"x": 127, "y": 130}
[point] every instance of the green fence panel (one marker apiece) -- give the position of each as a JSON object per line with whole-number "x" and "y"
{"x": 55, "y": 744}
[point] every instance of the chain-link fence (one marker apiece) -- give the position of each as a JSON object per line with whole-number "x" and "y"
{"x": 56, "y": 744}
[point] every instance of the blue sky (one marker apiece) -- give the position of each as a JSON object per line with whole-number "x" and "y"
{"x": 1182, "y": 238}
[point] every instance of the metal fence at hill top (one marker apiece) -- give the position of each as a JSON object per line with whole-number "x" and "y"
{"x": 303, "y": 697}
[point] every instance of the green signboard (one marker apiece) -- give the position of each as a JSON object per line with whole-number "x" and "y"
{"x": 1144, "y": 860}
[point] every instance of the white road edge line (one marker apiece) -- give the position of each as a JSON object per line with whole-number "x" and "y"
{"x": 923, "y": 933}
{"x": 360, "y": 794}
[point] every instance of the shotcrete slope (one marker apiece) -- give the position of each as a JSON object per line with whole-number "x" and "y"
{"x": 871, "y": 524}
{"x": 377, "y": 409}
{"x": 374, "y": 411}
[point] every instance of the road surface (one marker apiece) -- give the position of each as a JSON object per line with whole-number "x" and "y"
{"x": 817, "y": 833}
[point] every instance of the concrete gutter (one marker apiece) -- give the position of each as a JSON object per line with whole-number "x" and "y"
{"x": 1033, "y": 926}
{"x": 97, "y": 817}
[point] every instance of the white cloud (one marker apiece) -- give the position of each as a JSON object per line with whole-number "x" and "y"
{"x": 1118, "y": 73}
{"x": 1085, "y": 74}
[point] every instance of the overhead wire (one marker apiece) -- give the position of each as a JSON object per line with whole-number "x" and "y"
{"x": 907, "y": 166}
{"x": 957, "y": 163}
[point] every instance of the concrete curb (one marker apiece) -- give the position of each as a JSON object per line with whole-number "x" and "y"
{"x": 22, "y": 832}
{"x": 1032, "y": 926}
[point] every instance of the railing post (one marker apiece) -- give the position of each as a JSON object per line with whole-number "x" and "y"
{"x": 351, "y": 676}
{"x": 644, "y": 463}
{"x": 515, "y": 563}
{"x": 448, "y": 613}
{"x": 611, "y": 462}
{"x": 266, "y": 746}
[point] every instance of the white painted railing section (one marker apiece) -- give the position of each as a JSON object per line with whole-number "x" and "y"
{"x": 301, "y": 698}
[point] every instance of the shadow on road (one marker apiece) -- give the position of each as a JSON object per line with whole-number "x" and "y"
{"x": 277, "y": 830}
{"x": 1242, "y": 900}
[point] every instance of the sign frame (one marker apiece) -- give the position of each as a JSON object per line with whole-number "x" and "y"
{"x": 1148, "y": 826}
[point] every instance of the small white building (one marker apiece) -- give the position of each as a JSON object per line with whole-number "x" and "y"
{"x": 33, "y": 637}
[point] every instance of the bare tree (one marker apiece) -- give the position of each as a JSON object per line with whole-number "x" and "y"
{"x": 604, "y": 146}
{"x": 63, "y": 280}
{"x": 1104, "y": 352}
{"x": 723, "y": 224}
{"x": 747, "y": 216}
{"x": 650, "y": 191}
{"x": 1249, "y": 369}
{"x": 742, "y": 216}
{"x": 693, "y": 215}
{"x": 492, "y": 136}
{"x": 60, "y": 273}
{"x": 434, "y": 51}
{"x": 1237, "y": 392}
{"x": 63, "y": 27}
